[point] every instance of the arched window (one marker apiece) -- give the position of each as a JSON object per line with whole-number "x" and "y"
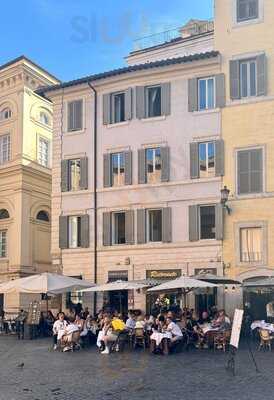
{"x": 42, "y": 216}
{"x": 4, "y": 214}
{"x": 44, "y": 118}
{"x": 5, "y": 114}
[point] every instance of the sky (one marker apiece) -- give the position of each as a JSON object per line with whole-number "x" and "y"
{"x": 75, "y": 38}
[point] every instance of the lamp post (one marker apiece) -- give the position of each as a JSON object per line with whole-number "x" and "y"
{"x": 224, "y": 198}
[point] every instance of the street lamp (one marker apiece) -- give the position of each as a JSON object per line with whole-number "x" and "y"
{"x": 224, "y": 198}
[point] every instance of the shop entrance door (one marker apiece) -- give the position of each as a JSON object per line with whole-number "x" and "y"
{"x": 118, "y": 301}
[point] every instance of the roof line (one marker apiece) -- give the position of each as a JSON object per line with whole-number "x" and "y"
{"x": 21, "y": 58}
{"x": 129, "y": 69}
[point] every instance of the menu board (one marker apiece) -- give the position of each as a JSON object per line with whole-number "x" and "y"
{"x": 34, "y": 313}
{"x": 236, "y": 328}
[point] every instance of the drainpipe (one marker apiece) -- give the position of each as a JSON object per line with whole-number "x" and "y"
{"x": 95, "y": 192}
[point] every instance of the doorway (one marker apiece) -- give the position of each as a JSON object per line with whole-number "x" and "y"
{"x": 118, "y": 300}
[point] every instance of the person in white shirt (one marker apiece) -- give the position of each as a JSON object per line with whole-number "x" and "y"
{"x": 131, "y": 323}
{"x": 174, "y": 329}
{"x": 59, "y": 325}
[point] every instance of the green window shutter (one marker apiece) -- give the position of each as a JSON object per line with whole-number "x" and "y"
{"x": 194, "y": 160}
{"x": 78, "y": 107}
{"x": 129, "y": 222}
{"x": 70, "y": 116}
{"x": 219, "y": 222}
{"x": 193, "y": 94}
{"x": 256, "y": 171}
{"x": 84, "y": 231}
{"x": 165, "y": 173}
{"x": 84, "y": 173}
{"x": 141, "y": 226}
{"x": 220, "y": 90}
{"x": 128, "y": 167}
{"x": 65, "y": 175}
{"x": 128, "y": 104}
{"x": 243, "y": 175}
{"x": 63, "y": 232}
{"x": 141, "y": 166}
{"x": 166, "y": 225}
{"x": 219, "y": 158}
{"x": 107, "y": 109}
{"x": 234, "y": 73}
{"x": 261, "y": 75}
{"x": 166, "y": 98}
{"x": 140, "y": 102}
{"x": 107, "y": 170}
{"x": 193, "y": 221}
{"x": 107, "y": 236}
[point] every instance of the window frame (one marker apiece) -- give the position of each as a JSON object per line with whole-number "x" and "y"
{"x": 70, "y": 161}
{"x": 206, "y": 79}
{"x": 10, "y": 114}
{"x": 154, "y": 149}
{"x": 78, "y": 232}
{"x": 148, "y": 225}
{"x": 248, "y": 78}
{"x": 112, "y": 107}
{"x": 251, "y": 224}
{"x": 2, "y": 161}
{"x": 40, "y": 219}
{"x": 114, "y": 242}
{"x": 147, "y": 89}
{"x": 5, "y": 253}
{"x": 253, "y": 194}
{"x": 207, "y": 158}
{"x": 74, "y": 100}
{"x": 245, "y": 19}
{"x": 39, "y": 159}
{"x": 199, "y": 221}
{"x": 119, "y": 175}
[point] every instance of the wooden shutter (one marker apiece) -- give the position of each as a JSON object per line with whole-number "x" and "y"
{"x": 63, "y": 232}
{"x": 243, "y": 171}
{"x": 165, "y": 173}
{"x": 128, "y": 167}
{"x": 166, "y": 225}
{"x": 78, "y": 112}
{"x": 219, "y": 221}
{"x": 84, "y": 173}
{"x": 193, "y": 221}
{"x": 107, "y": 237}
{"x": 261, "y": 75}
{"x": 128, "y": 104}
{"x": 141, "y": 166}
{"x": 107, "y": 170}
{"x": 194, "y": 160}
{"x": 84, "y": 235}
{"x": 193, "y": 94}
{"x": 64, "y": 175}
{"x": 70, "y": 110}
{"x": 141, "y": 226}
{"x": 219, "y": 158}
{"x": 256, "y": 171}
{"x": 129, "y": 217}
{"x": 165, "y": 98}
{"x": 220, "y": 90}
{"x": 140, "y": 102}
{"x": 107, "y": 109}
{"x": 234, "y": 72}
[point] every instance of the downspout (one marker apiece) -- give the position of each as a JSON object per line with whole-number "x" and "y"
{"x": 95, "y": 192}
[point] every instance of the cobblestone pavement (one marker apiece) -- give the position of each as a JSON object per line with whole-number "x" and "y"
{"x": 129, "y": 375}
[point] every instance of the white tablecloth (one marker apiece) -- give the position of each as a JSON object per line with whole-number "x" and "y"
{"x": 158, "y": 337}
{"x": 208, "y": 328}
{"x": 262, "y": 325}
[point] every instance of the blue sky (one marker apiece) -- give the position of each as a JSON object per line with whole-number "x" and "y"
{"x": 74, "y": 38}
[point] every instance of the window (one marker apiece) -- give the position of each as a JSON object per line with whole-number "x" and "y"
{"x": 4, "y": 149}
{"x": 118, "y": 107}
{"x": 247, "y": 10}
{"x": 153, "y": 101}
{"x": 119, "y": 228}
{"x": 44, "y": 118}
{"x": 206, "y": 159}
{"x": 42, "y": 216}
{"x": 206, "y": 93}
{"x": 250, "y": 171}
{"x": 207, "y": 222}
{"x": 43, "y": 152}
{"x": 154, "y": 225}
{"x": 248, "y": 78}
{"x": 153, "y": 165}
{"x": 75, "y": 115}
{"x": 118, "y": 169}
{"x": 5, "y": 114}
{"x": 74, "y": 174}
{"x": 3, "y": 244}
{"x": 4, "y": 214}
{"x": 251, "y": 245}
{"x": 74, "y": 232}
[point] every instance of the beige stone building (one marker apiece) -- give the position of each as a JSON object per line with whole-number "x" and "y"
{"x": 25, "y": 174}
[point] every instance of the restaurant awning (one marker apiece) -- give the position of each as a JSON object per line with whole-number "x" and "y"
{"x": 122, "y": 285}
{"x": 184, "y": 282}
{"x": 221, "y": 280}
{"x": 266, "y": 282}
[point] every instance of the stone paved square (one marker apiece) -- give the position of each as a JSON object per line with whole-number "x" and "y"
{"x": 129, "y": 375}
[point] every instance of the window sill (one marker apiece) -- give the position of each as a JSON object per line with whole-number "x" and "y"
{"x": 209, "y": 111}
{"x": 74, "y": 192}
{"x": 252, "y": 264}
{"x": 249, "y": 100}
{"x": 117, "y": 124}
{"x": 250, "y": 196}
{"x": 72, "y": 133}
{"x": 154, "y": 119}
{"x": 241, "y": 24}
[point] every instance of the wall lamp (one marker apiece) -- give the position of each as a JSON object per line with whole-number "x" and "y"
{"x": 224, "y": 198}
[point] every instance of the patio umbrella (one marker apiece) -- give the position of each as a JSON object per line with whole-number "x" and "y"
{"x": 45, "y": 283}
{"x": 221, "y": 280}
{"x": 266, "y": 282}
{"x": 184, "y": 283}
{"x": 121, "y": 285}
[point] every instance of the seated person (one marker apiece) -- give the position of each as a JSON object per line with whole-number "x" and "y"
{"x": 140, "y": 323}
{"x": 221, "y": 321}
{"x": 175, "y": 330}
{"x": 109, "y": 333}
{"x": 131, "y": 321}
{"x": 160, "y": 336}
{"x": 149, "y": 321}
{"x": 79, "y": 322}
{"x": 204, "y": 318}
{"x": 59, "y": 325}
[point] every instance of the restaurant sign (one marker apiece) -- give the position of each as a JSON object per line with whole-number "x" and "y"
{"x": 164, "y": 274}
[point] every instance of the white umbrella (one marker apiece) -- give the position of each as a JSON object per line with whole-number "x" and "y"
{"x": 45, "y": 283}
{"x": 120, "y": 285}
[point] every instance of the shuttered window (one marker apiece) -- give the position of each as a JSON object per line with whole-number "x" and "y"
{"x": 74, "y": 174}
{"x": 153, "y": 101}
{"x": 250, "y": 171}
{"x": 74, "y": 231}
{"x": 75, "y": 115}
{"x": 118, "y": 169}
{"x": 205, "y": 222}
{"x": 153, "y": 165}
{"x": 207, "y": 159}
{"x": 118, "y": 228}
{"x": 117, "y": 107}
{"x": 248, "y": 73}
{"x": 206, "y": 93}
{"x": 247, "y": 10}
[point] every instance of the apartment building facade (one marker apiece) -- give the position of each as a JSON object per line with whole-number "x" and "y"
{"x": 25, "y": 175}
{"x": 158, "y": 163}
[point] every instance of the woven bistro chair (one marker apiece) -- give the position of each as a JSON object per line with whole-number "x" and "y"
{"x": 139, "y": 338}
{"x": 221, "y": 340}
{"x": 265, "y": 339}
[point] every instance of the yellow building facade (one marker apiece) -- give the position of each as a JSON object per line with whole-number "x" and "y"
{"x": 25, "y": 175}
{"x": 244, "y": 33}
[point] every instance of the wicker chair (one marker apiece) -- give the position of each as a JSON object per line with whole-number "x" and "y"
{"x": 221, "y": 340}
{"x": 265, "y": 339}
{"x": 139, "y": 338}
